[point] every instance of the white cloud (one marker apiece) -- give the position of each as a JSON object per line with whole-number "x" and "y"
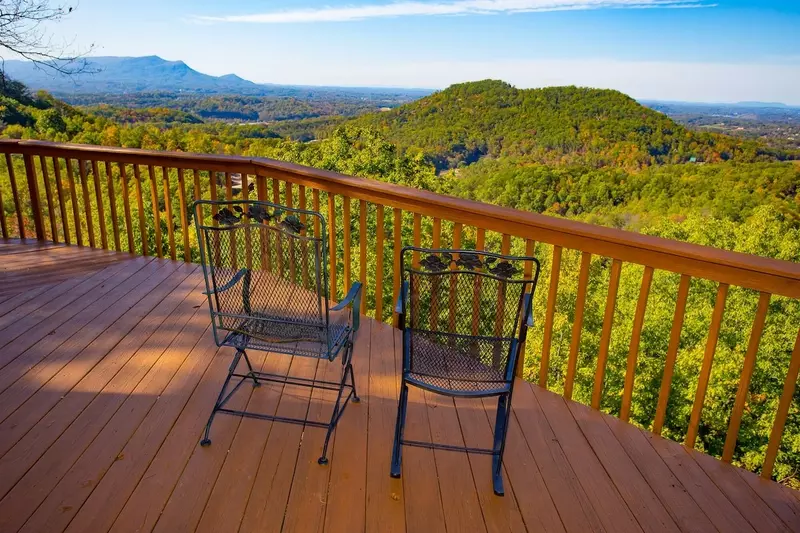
{"x": 455, "y": 7}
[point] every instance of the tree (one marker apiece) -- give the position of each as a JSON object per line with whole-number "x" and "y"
{"x": 23, "y": 33}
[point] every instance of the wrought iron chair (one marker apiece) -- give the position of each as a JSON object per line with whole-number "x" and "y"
{"x": 266, "y": 280}
{"x": 464, "y": 316}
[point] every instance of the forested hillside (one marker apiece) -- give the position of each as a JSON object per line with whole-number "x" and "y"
{"x": 556, "y": 125}
{"x": 593, "y": 155}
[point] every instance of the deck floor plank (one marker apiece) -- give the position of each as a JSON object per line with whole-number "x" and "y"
{"x": 96, "y": 358}
{"x": 722, "y": 513}
{"x": 266, "y": 506}
{"x": 109, "y": 372}
{"x": 385, "y": 510}
{"x": 97, "y": 425}
{"x": 228, "y": 499}
{"x": 186, "y": 504}
{"x": 423, "y": 503}
{"x": 606, "y": 499}
{"x": 681, "y": 506}
{"x": 348, "y": 485}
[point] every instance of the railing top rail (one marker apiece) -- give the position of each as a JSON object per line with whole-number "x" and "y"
{"x": 759, "y": 273}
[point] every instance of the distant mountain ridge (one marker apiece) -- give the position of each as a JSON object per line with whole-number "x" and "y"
{"x": 117, "y": 75}
{"x": 128, "y": 74}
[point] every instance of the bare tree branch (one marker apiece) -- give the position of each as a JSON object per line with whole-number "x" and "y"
{"x": 23, "y": 32}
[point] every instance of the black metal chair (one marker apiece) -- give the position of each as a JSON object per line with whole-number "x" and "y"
{"x": 464, "y": 316}
{"x": 266, "y": 281}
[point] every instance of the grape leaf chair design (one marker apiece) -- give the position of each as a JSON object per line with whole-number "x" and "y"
{"x": 266, "y": 276}
{"x": 464, "y": 315}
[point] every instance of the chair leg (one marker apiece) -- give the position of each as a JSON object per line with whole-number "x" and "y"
{"x": 500, "y": 432}
{"x": 338, "y": 407}
{"x": 397, "y": 447}
{"x": 206, "y": 440}
{"x": 251, "y": 372}
{"x": 355, "y": 398}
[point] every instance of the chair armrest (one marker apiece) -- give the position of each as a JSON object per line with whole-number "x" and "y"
{"x": 398, "y": 308}
{"x": 527, "y": 307}
{"x": 353, "y": 299}
{"x": 234, "y": 280}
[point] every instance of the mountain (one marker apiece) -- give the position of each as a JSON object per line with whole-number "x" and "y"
{"x": 128, "y": 74}
{"x": 555, "y": 125}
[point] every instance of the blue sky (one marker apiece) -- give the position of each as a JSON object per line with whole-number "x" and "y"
{"x": 700, "y": 50}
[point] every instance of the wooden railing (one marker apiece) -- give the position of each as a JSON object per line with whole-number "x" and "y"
{"x": 138, "y": 201}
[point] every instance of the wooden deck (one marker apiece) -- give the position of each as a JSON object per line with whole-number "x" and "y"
{"x": 108, "y": 372}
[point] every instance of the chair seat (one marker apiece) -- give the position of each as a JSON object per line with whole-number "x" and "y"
{"x": 275, "y": 334}
{"x": 457, "y": 364}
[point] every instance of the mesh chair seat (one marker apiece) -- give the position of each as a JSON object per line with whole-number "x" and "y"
{"x": 458, "y": 363}
{"x": 274, "y": 334}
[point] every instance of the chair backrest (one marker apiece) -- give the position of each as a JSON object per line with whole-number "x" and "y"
{"x": 464, "y": 315}
{"x": 265, "y": 267}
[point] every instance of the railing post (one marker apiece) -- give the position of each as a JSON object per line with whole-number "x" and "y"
{"x": 33, "y": 189}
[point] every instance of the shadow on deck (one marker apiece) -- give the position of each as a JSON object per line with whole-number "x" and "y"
{"x": 108, "y": 372}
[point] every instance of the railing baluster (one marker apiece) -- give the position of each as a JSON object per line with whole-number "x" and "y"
{"x": 480, "y": 239}
{"x": 347, "y": 243}
{"x": 228, "y": 187}
{"x": 577, "y": 326}
{"x": 62, "y": 204}
{"x": 212, "y": 191}
{"x": 156, "y": 210}
{"x": 15, "y": 194}
{"x": 458, "y": 229}
{"x": 276, "y": 192}
{"x": 291, "y": 243}
{"x": 785, "y": 402}
{"x": 437, "y": 233}
{"x": 137, "y": 176}
{"x": 379, "y": 264}
{"x": 248, "y": 239}
{"x": 101, "y": 210}
{"x": 48, "y": 193}
{"x": 530, "y": 247}
{"x": 552, "y": 296}
{"x": 747, "y": 373}
{"x": 168, "y": 212}
{"x": 112, "y": 204}
{"x": 708, "y": 360}
{"x": 332, "y": 245}
{"x": 187, "y": 252}
{"x": 261, "y": 194}
{"x": 417, "y": 238}
{"x": 397, "y": 234}
{"x": 362, "y": 241}
{"x": 672, "y": 354}
{"x": 3, "y": 226}
{"x": 505, "y": 245}
{"x": 87, "y": 205}
{"x": 499, "y": 323}
{"x": 126, "y": 205}
{"x": 633, "y": 351}
{"x": 605, "y": 335}
{"x": 315, "y": 205}
{"x": 231, "y": 236}
{"x": 73, "y": 196}
{"x": 33, "y": 189}
{"x": 301, "y": 194}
